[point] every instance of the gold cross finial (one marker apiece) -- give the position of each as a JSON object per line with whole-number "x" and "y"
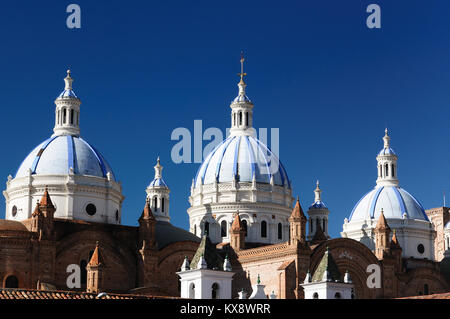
{"x": 242, "y": 74}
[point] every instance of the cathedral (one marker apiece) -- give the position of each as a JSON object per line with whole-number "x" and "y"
{"x": 247, "y": 234}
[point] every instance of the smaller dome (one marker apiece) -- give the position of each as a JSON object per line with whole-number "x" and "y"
{"x": 242, "y": 98}
{"x": 447, "y": 226}
{"x": 68, "y": 93}
{"x": 387, "y": 151}
{"x": 158, "y": 182}
{"x": 394, "y": 201}
{"x": 318, "y": 205}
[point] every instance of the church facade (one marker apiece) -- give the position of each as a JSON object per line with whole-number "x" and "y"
{"x": 64, "y": 207}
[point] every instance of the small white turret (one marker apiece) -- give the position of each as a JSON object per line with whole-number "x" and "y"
{"x": 67, "y": 112}
{"x": 185, "y": 266}
{"x": 387, "y": 164}
{"x": 158, "y": 194}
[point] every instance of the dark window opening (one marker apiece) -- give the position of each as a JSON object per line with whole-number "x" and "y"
{"x": 315, "y": 295}
{"x": 420, "y": 249}
{"x": 244, "y": 225}
{"x": 215, "y": 290}
{"x": 162, "y": 205}
{"x": 71, "y": 116}
{"x": 263, "y": 229}
{"x": 14, "y": 211}
{"x": 425, "y": 289}
{"x": 12, "y": 282}
{"x": 223, "y": 228}
{"x": 91, "y": 209}
{"x": 280, "y": 231}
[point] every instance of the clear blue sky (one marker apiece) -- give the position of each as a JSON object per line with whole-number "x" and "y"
{"x": 315, "y": 71}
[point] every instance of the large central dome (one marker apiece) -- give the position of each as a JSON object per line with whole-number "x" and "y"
{"x": 244, "y": 157}
{"x": 241, "y": 175}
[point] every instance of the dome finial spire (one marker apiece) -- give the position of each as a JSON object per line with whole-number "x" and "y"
{"x": 386, "y": 138}
{"x": 68, "y": 80}
{"x": 242, "y": 74}
{"x": 317, "y": 193}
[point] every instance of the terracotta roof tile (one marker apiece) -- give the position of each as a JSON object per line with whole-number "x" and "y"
{"x": 297, "y": 212}
{"x": 10, "y": 293}
{"x": 382, "y": 223}
{"x": 45, "y": 200}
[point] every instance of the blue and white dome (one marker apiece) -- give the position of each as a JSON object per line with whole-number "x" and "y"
{"x": 243, "y": 157}
{"x": 387, "y": 151}
{"x": 58, "y": 154}
{"x": 447, "y": 226}
{"x": 394, "y": 201}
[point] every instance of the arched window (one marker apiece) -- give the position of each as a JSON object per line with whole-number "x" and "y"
{"x": 315, "y": 295}
{"x": 223, "y": 228}
{"x": 337, "y": 295}
{"x": 263, "y": 229}
{"x": 195, "y": 230}
{"x": 386, "y": 170}
{"x": 215, "y": 291}
{"x": 310, "y": 226}
{"x": 64, "y": 116}
{"x": 206, "y": 229}
{"x": 280, "y": 231}
{"x": 71, "y": 116}
{"x": 246, "y": 118}
{"x": 192, "y": 291}
{"x": 83, "y": 272}
{"x": 392, "y": 170}
{"x": 240, "y": 118}
{"x": 323, "y": 224}
{"x": 117, "y": 215}
{"x": 317, "y": 224}
{"x": 155, "y": 203}
{"x": 58, "y": 117}
{"x": 244, "y": 225}
{"x": 12, "y": 282}
{"x": 162, "y": 204}
{"x": 425, "y": 289}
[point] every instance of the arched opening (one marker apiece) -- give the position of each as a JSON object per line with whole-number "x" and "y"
{"x": 192, "y": 291}
{"x": 240, "y": 118}
{"x": 386, "y": 170}
{"x": 280, "y": 231}
{"x": 337, "y": 295}
{"x": 392, "y": 170}
{"x": 83, "y": 272}
{"x": 14, "y": 211}
{"x": 12, "y": 282}
{"x": 263, "y": 229}
{"x": 244, "y": 225}
{"x": 64, "y": 116}
{"x": 215, "y": 291}
{"x": 117, "y": 215}
{"x": 246, "y": 118}
{"x": 315, "y": 295}
{"x": 162, "y": 204}
{"x": 425, "y": 289}
{"x": 206, "y": 229}
{"x": 71, "y": 117}
{"x": 310, "y": 226}
{"x": 223, "y": 228}
{"x": 155, "y": 203}
{"x": 323, "y": 224}
{"x": 58, "y": 117}
{"x": 195, "y": 230}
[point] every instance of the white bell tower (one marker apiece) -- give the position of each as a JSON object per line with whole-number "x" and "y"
{"x": 387, "y": 164}
{"x": 318, "y": 215}
{"x": 242, "y": 109}
{"x": 158, "y": 194}
{"x": 67, "y": 112}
